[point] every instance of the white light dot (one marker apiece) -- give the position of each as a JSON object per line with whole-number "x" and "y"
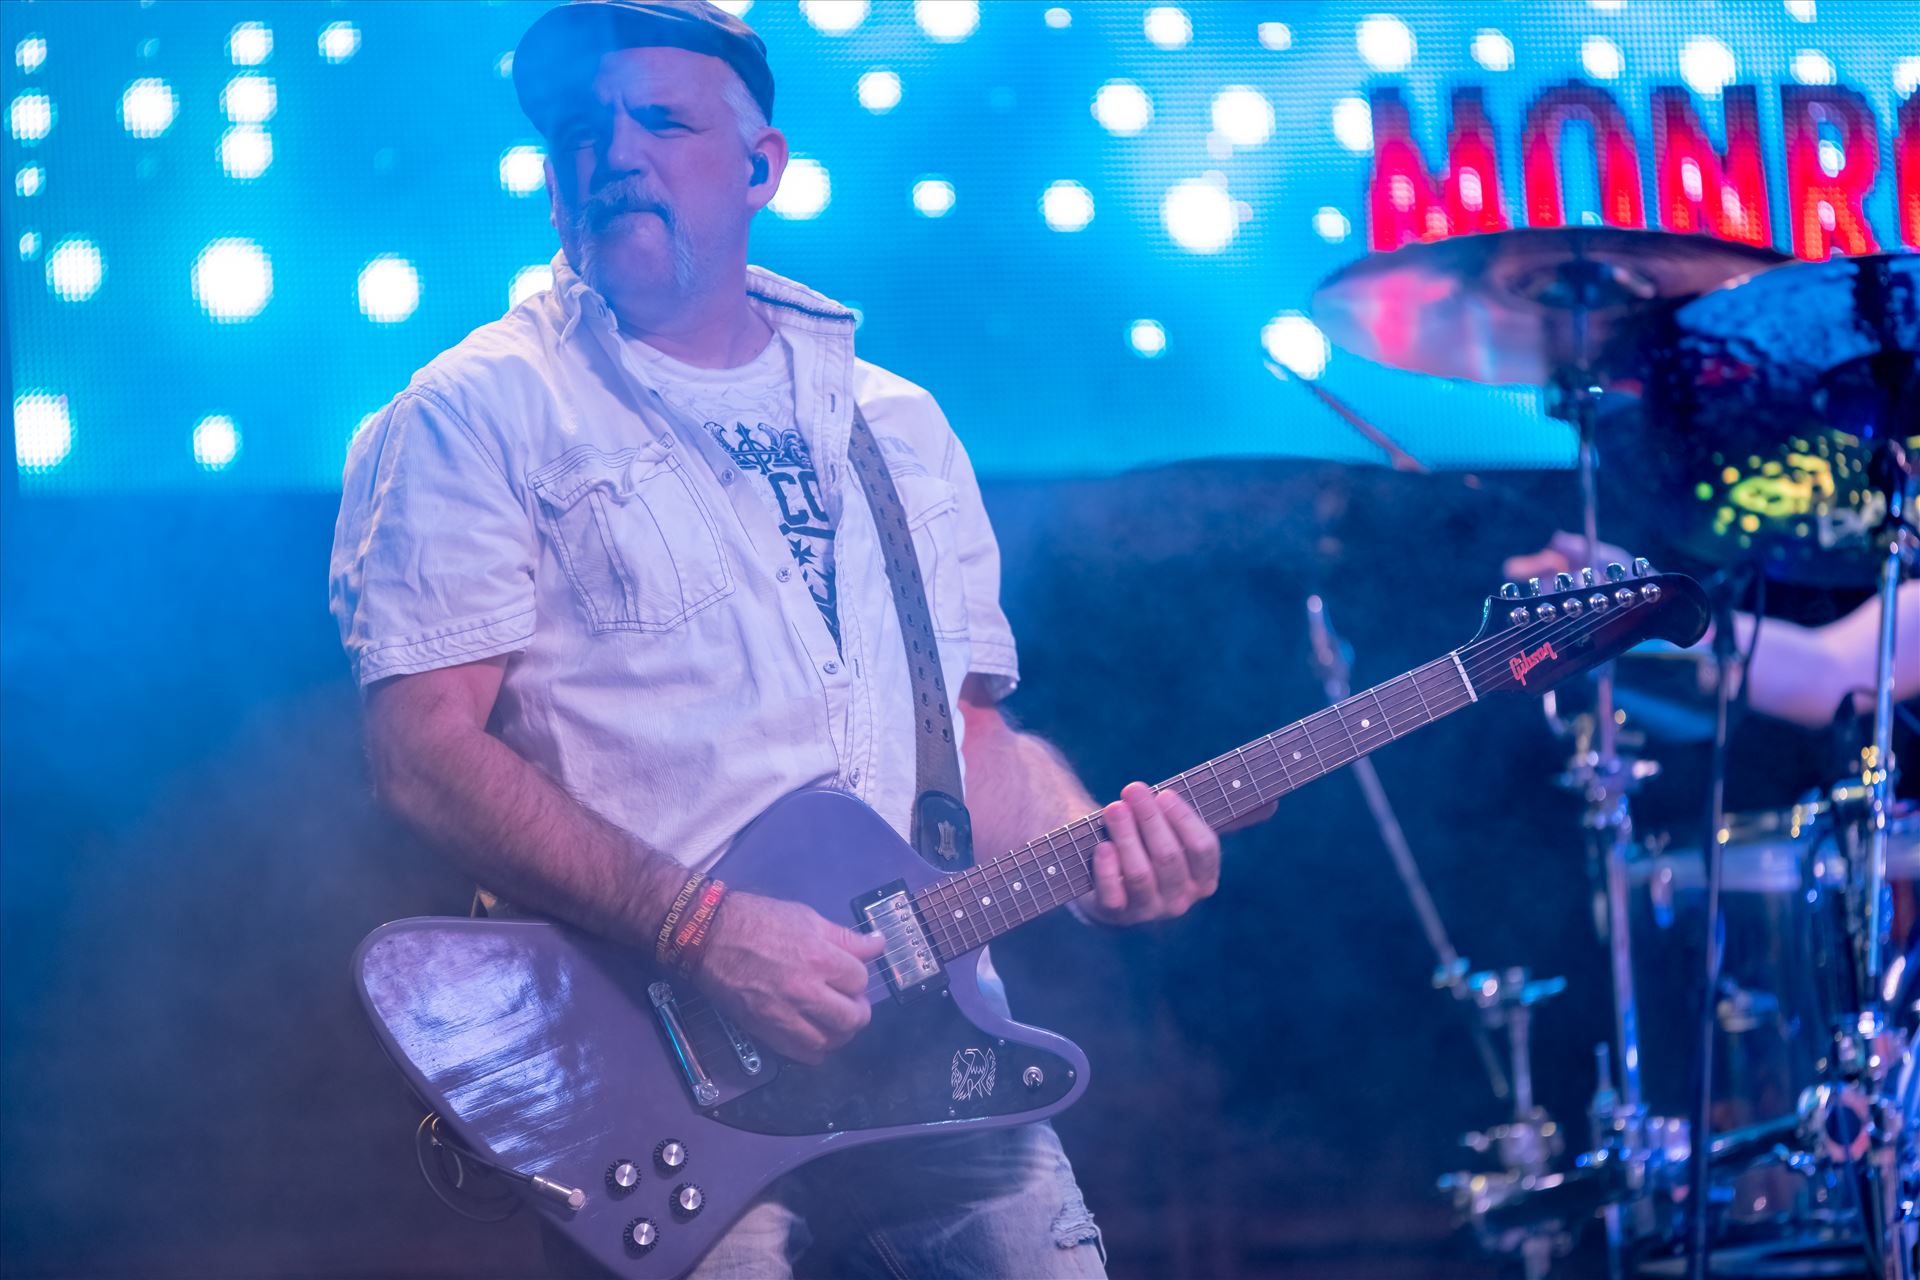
{"x": 1493, "y": 50}
{"x": 1067, "y": 206}
{"x": 1167, "y": 26}
{"x": 1707, "y": 65}
{"x": 933, "y": 197}
{"x": 1906, "y": 76}
{"x": 148, "y": 107}
{"x": 503, "y": 66}
{"x": 1243, "y": 116}
{"x": 1147, "y": 338}
{"x": 1385, "y": 42}
{"x": 250, "y": 44}
{"x": 1353, "y": 124}
{"x": 31, "y": 116}
{"x": 1122, "y": 107}
{"x": 232, "y": 279}
{"x": 738, "y": 8}
{"x": 1296, "y": 344}
{"x": 879, "y": 91}
{"x": 1331, "y": 225}
{"x": 28, "y": 181}
{"x": 1057, "y": 18}
{"x": 1692, "y": 181}
{"x": 1277, "y": 36}
{"x": 947, "y": 20}
{"x": 523, "y": 170}
{"x": 1832, "y": 158}
{"x": 30, "y": 54}
{"x": 249, "y": 99}
{"x": 29, "y": 245}
{"x": 805, "y": 190}
{"x": 339, "y": 41}
{"x": 389, "y": 289}
{"x": 1601, "y": 57}
{"x": 75, "y": 269}
{"x": 1801, "y": 10}
{"x": 42, "y": 431}
{"x": 834, "y": 17}
{"x": 1608, "y": 6}
{"x": 216, "y": 442}
{"x": 529, "y": 281}
{"x": 1810, "y": 66}
{"x": 246, "y": 151}
{"x": 1199, "y": 215}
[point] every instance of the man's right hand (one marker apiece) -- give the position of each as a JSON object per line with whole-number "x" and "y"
{"x": 790, "y": 977}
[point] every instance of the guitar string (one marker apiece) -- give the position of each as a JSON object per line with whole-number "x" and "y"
{"x": 950, "y": 938}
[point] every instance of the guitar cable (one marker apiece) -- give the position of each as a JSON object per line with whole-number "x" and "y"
{"x": 427, "y": 1137}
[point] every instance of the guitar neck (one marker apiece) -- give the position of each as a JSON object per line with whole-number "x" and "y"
{"x": 972, "y": 908}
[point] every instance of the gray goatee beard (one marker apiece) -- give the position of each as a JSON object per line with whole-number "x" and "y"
{"x": 590, "y": 224}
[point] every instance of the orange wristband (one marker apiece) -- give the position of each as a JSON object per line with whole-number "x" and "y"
{"x": 663, "y": 948}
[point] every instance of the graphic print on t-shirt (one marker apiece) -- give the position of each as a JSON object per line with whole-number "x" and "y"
{"x": 781, "y": 457}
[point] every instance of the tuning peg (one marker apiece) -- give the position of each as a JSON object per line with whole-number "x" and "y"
{"x": 1586, "y": 577}
{"x": 1533, "y": 586}
{"x": 1563, "y": 582}
{"x": 1616, "y": 572}
{"x": 1509, "y": 591}
{"x": 1642, "y": 567}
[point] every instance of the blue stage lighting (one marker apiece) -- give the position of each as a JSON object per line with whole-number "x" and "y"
{"x": 1242, "y": 116}
{"x": 1331, "y": 225}
{"x": 31, "y": 117}
{"x": 1277, "y": 36}
{"x": 246, "y": 150}
{"x": 523, "y": 170}
{"x": 1493, "y": 50}
{"x": 1147, "y": 338}
{"x": 29, "y": 245}
{"x": 42, "y": 431}
{"x": 339, "y": 41}
{"x": 232, "y": 279}
{"x": 879, "y": 91}
{"x": 1385, "y": 42}
{"x": 947, "y": 20}
{"x": 1167, "y": 26}
{"x": 75, "y": 269}
{"x": 805, "y": 190}
{"x": 1810, "y": 66}
{"x": 933, "y": 197}
{"x": 1122, "y": 107}
{"x": 148, "y": 107}
{"x": 30, "y": 54}
{"x": 250, "y": 44}
{"x": 1601, "y": 58}
{"x": 249, "y": 98}
{"x": 216, "y": 442}
{"x": 834, "y": 17}
{"x": 1707, "y": 66}
{"x": 29, "y": 180}
{"x": 389, "y": 289}
{"x": 1296, "y": 344}
{"x": 1353, "y": 124}
{"x": 1058, "y": 18}
{"x": 1199, "y": 215}
{"x": 528, "y": 281}
{"x": 1067, "y": 206}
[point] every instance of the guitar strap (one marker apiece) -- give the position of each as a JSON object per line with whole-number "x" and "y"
{"x": 942, "y": 831}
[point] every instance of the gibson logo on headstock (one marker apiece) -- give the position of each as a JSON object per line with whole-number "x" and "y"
{"x": 1523, "y": 662}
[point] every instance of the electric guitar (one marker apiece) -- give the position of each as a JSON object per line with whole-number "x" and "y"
{"x": 642, "y": 1122}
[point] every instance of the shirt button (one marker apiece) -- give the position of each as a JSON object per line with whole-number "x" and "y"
{"x": 831, "y": 668}
{"x": 854, "y": 777}
{"x": 784, "y": 574}
{"x": 726, "y": 477}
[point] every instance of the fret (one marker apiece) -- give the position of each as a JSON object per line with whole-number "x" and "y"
{"x": 1385, "y": 715}
{"x": 1340, "y": 718}
{"x": 1413, "y": 679}
{"x": 1213, "y": 771}
{"x": 1245, "y": 773}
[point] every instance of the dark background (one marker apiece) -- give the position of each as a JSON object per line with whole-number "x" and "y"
{"x": 191, "y": 851}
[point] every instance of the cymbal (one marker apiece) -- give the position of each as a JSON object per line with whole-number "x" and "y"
{"x": 1507, "y": 306}
{"x": 1763, "y": 402}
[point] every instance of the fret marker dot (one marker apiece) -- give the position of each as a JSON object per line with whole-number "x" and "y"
{"x": 986, "y": 902}
{"x": 958, "y": 914}
{"x": 1016, "y": 886}
{"x": 1236, "y": 784}
{"x": 1051, "y": 870}
{"x": 1366, "y": 724}
{"x": 1296, "y": 755}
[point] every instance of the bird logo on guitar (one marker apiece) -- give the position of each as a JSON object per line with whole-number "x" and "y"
{"x": 1523, "y": 662}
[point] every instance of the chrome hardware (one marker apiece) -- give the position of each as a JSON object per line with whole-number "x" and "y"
{"x": 1033, "y": 1077}
{"x": 688, "y": 1200}
{"x": 1616, "y": 572}
{"x": 624, "y": 1176}
{"x": 1598, "y": 601}
{"x": 743, "y": 1048}
{"x": 1563, "y": 582}
{"x": 1625, "y": 597}
{"x": 1509, "y": 591}
{"x": 1642, "y": 567}
{"x": 699, "y": 1083}
{"x": 572, "y": 1197}
{"x": 641, "y": 1234}
{"x": 670, "y": 1154}
{"x": 909, "y": 955}
{"x": 1586, "y": 577}
{"x": 1573, "y": 608}
{"x": 1533, "y": 586}
{"x": 1520, "y": 616}
{"x": 1546, "y": 613}
{"x": 1650, "y": 592}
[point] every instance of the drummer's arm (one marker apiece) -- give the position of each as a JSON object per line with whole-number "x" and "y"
{"x": 1801, "y": 674}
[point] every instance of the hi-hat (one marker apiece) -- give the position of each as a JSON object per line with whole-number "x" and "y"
{"x": 1520, "y": 306}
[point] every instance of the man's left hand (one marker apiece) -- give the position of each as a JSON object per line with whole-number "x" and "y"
{"x": 1160, "y": 857}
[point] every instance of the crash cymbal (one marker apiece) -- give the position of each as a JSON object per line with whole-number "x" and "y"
{"x": 1510, "y": 306}
{"x": 1763, "y": 404}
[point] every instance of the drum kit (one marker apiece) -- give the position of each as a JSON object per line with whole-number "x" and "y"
{"x": 1762, "y": 1117}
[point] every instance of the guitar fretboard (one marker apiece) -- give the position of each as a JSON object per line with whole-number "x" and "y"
{"x": 972, "y": 908}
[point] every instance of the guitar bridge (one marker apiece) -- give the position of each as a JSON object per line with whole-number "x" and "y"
{"x": 911, "y": 967}
{"x": 699, "y": 1083}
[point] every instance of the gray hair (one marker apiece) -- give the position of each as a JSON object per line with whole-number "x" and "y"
{"x": 747, "y": 115}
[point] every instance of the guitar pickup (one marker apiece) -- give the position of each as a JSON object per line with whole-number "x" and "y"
{"x": 911, "y": 967}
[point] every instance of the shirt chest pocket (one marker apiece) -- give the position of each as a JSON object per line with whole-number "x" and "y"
{"x": 635, "y": 540}
{"x": 933, "y": 518}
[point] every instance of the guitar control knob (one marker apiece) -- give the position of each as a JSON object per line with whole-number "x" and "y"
{"x": 688, "y": 1200}
{"x": 642, "y": 1235}
{"x": 623, "y": 1175}
{"x": 670, "y": 1154}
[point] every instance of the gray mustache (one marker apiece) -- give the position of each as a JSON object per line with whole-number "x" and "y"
{"x": 609, "y": 203}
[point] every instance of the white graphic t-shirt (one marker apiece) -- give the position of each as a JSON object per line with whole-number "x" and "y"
{"x": 749, "y": 412}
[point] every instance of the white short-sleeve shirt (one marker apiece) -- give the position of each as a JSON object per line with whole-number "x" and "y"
{"x": 529, "y": 494}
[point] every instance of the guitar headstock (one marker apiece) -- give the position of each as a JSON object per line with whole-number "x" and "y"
{"x": 1533, "y": 637}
